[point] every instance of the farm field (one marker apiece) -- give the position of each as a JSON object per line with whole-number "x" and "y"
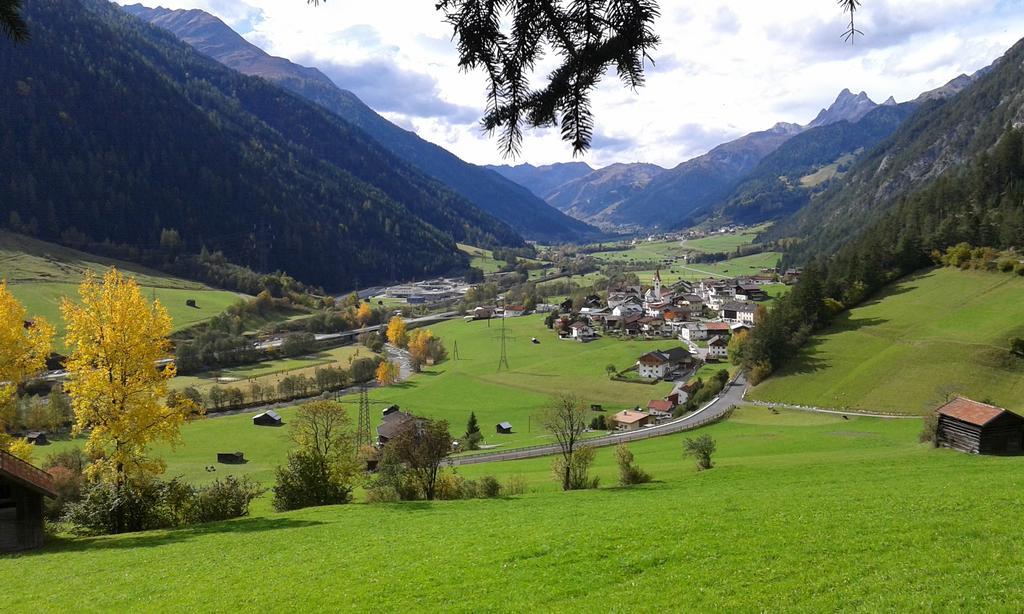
{"x": 802, "y": 512}
{"x": 725, "y": 242}
{"x": 40, "y": 274}
{"x": 942, "y": 331}
{"x": 271, "y": 371}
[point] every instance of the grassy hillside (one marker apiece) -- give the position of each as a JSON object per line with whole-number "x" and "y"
{"x": 39, "y": 274}
{"x": 802, "y": 512}
{"x": 942, "y": 330}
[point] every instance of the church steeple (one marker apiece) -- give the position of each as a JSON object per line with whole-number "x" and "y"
{"x": 657, "y": 284}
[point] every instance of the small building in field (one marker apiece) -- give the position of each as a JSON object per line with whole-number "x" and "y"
{"x": 630, "y": 420}
{"x": 22, "y": 488}
{"x": 267, "y": 418}
{"x": 514, "y": 311}
{"x": 393, "y": 422}
{"x": 504, "y": 428}
{"x": 979, "y": 428}
{"x": 231, "y": 458}
{"x": 37, "y": 438}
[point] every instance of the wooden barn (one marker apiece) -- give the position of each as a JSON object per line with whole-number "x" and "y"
{"x": 504, "y": 428}
{"x": 22, "y": 488}
{"x": 267, "y": 418}
{"x": 979, "y": 428}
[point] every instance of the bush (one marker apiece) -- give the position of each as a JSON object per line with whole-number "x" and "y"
{"x": 489, "y": 487}
{"x": 599, "y": 423}
{"x": 579, "y": 467}
{"x": 1006, "y": 265}
{"x": 759, "y": 372}
{"x": 929, "y": 429}
{"x": 700, "y": 448}
{"x": 515, "y": 485}
{"x": 139, "y": 505}
{"x": 382, "y": 494}
{"x": 629, "y": 473}
{"x": 450, "y": 486}
{"x": 305, "y": 481}
{"x": 1019, "y": 268}
{"x": 224, "y": 499}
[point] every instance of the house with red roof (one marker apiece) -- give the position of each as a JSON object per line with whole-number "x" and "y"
{"x": 979, "y": 428}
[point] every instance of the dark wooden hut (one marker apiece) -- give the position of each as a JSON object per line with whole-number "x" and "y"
{"x": 979, "y": 428}
{"x": 22, "y": 488}
{"x": 504, "y": 428}
{"x": 37, "y": 438}
{"x": 267, "y": 418}
{"x": 231, "y": 458}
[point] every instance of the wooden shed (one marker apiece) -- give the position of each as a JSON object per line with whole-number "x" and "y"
{"x": 504, "y": 428}
{"x": 22, "y": 488}
{"x": 979, "y": 428}
{"x": 267, "y": 418}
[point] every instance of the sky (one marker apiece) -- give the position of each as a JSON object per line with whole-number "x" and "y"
{"x": 723, "y": 69}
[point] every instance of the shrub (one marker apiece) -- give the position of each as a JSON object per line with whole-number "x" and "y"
{"x": 579, "y": 467}
{"x": 1006, "y": 265}
{"x": 1017, "y": 346}
{"x": 139, "y": 505}
{"x": 1019, "y": 268}
{"x": 305, "y": 481}
{"x": 759, "y": 372}
{"x": 450, "y": 486}
{"x": 489, "y": 487}
{"x": 700, "y": 448}
{"x": 629, "y": 473}
{"x": 225, "y": 498}
{"x": 599, "y": 423}
{"x": 382, "y": 494}
{"x": 929, "y": 429}
{"x": 515, "y": 485}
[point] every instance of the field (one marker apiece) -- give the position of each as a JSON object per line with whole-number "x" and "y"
{"x": 725, "y": 242}
{"x": 40, "y": 274}
{"x": 802, "y": 512}
{"x": 270, "y": 372}
{"x": 942, "y": 331}
{"x": 450, "y": 390}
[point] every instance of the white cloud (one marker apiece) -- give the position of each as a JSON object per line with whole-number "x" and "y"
{"x": 723, "y": 69}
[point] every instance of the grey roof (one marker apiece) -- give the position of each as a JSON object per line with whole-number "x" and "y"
{"x": 505, "y": 425}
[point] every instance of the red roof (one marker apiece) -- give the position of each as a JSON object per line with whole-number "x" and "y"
{"x": 971, "y": 412}
{"x": 26, "y": 474}
{"x": 659, "y": 405}
{"x": 717, "y": 326}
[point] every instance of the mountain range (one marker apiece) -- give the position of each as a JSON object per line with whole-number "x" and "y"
{"x": 489, "y": 191}
{"x": 114, "y": 131}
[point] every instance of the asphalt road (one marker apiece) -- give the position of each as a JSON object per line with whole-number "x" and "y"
{"x": 732, "y": 395}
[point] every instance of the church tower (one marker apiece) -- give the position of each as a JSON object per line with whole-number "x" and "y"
{"x": 657, "y": 284}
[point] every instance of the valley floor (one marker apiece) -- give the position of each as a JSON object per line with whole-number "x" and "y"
{"x": 802, "y": 512}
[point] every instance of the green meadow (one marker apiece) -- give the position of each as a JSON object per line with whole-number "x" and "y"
{"x": 41, "y": 274}
{"x": 802, "y": 512}
{"x": 939, "y": 332}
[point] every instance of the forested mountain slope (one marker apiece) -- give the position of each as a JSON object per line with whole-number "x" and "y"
{"x": 487, "y": 190}
{"x": 939, "y": 138}
{"x": 112, "y": 130}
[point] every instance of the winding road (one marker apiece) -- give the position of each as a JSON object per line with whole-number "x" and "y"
{"x": 732, "y": 395}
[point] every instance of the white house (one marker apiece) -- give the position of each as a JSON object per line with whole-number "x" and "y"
{"x": 692, "y": 331}
{"x": 733, "y": 311}
{"x": 514, "y": 311}
{"x": 660, "y": 364}
{"x": 581, "y": 331}
{"x": 628, "y": 308}
{"x": 718, "y": 347}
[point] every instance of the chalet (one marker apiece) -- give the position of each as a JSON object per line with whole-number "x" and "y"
{"x": 628, "y": 308}
{"x": 740, "y": 327}
{"x": 661, "y": 364}
{"x": 733, "y": 311}
{"x": 693, "y": 301}
{"x": 979, "y": 428}
{"x": 660, "y": 408}
{"x": 393, "y": 422}
{"x": 718, "y": 347}
{"x": 630, "y": 324}
{"x": 513, "y": 311}
{"x": 581, "y": 331}
{"x": 22, "y": 488}
{"x": 749, "y": 292}
{"x": 791, "y": 276}
{"x": 651, "y": 326}
{"x": 692, "y": 331}
{"x": 630, "y": 420}
{"x": 504, "y": 428}
{"x": 565, "y": 305}
{"x": 483, "y": 313}
{"x": 267, "y": 418}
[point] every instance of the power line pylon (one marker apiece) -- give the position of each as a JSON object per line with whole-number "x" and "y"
{"x": 363, "y": 428}
{"x": 455, "y": 350}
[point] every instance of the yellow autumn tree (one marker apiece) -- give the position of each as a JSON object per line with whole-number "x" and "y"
{"x": 364, "y": 314}
{"x": 24, "y": 347}
{"x": 387, "y": 373}
{"x": 116, "y": 385}
{"x": 396, "y": 332}
{"x": 420, "y": 347}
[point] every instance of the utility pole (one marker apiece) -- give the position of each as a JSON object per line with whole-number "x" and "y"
{"x": 455, "y": 350}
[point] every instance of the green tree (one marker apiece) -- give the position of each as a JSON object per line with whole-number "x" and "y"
{"x": 473, "y": 436}
{"x": 421, "y": 448}
{"x": 700, "y": 448}
{"x": 566, "y": 419}
{"x": 321, "y": 468}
